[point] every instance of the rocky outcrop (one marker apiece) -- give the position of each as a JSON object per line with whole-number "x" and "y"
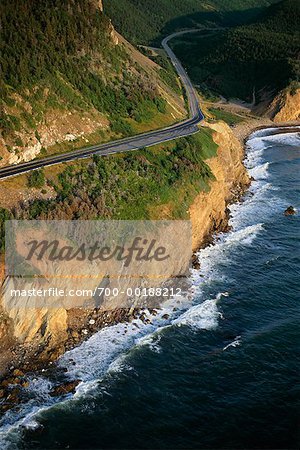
{"x": 286, "y": 106}
{"x": 290, "y": 211}
{"x": 97, "y": 4}
{"x": 113, "y": 34}
{"x": 65, "y": 388}
{"x": 57, "y": 127}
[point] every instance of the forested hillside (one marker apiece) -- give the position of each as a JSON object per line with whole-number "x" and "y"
{"x": 144, "y": 21}
{"x": 60, "y": 58}
{"x": 256, "y": 60}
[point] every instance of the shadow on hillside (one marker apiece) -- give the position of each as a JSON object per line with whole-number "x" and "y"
{"x": 210, "y": 19}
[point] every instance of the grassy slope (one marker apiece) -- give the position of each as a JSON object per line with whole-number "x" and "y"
{"x": 260, "y": 56}
{"x": 228, "y": 117}
{"x": 144, "y": 21}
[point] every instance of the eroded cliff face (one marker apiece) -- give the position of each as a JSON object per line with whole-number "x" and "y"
{"x": 99, "y": 4}
{"x": 208, "y": 212}
{"x": 55, "y": 128}
{"x": 48, "y": 332}
{"x": 286, "y": 106}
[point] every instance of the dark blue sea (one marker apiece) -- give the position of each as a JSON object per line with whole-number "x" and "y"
{"x": 222, "y": 371}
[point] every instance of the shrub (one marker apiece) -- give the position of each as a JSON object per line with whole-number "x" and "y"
{"x": 36, "y": 179}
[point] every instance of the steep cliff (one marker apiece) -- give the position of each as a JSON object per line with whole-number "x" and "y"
{"x": 286, "y": 106}
{"x": 208, "y": 212}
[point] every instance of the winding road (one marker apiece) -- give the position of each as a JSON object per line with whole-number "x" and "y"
{"x": 185, "y": 128}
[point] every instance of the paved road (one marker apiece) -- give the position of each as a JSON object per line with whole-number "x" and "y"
{"x": 185, "y": 128}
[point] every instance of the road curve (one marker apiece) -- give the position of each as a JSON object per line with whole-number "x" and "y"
{"x": 185, "y": 128}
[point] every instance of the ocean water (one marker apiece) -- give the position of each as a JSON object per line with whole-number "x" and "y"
{"x": 221, "y": 372}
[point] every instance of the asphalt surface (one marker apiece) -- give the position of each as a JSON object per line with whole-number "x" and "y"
{"x": 185, "y": 128}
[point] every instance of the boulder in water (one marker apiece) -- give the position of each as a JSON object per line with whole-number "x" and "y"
{"x": 290, "y": 211}
{"x": 18, "y": 373}
{"x": 65, "y": 388}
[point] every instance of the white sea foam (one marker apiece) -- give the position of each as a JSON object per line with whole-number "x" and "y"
{"x": 263, "y": 199}
{"x": 26, "y": 415}
{"x": 92, "y": 359}
{"x": 254, "y": 158}
{"x": 221, "y": 251}
{"x": 39, "y": 386}
{"x": 260, "y": 172}
{"x": 204, "y": 316}
{"x": 262, "y": 140}
{"x": 258, "y": 144}
{"x": 233, "y": 344}
{"x": 26, "y": 418}
{"x": 291, "y": 139}
{"x": 265, "y": 132}
{"x": 95, "y": 357}
{"x": 151, "y": 341}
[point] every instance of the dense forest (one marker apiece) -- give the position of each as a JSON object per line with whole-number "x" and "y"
{"x": 247, "y": 61}
{"x": 61, "y": 55}
{"x": 145, "y": 21}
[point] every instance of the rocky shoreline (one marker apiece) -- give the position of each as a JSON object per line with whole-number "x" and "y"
{"x": 37, "y": 360}
{"x": 82, "y": 324}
